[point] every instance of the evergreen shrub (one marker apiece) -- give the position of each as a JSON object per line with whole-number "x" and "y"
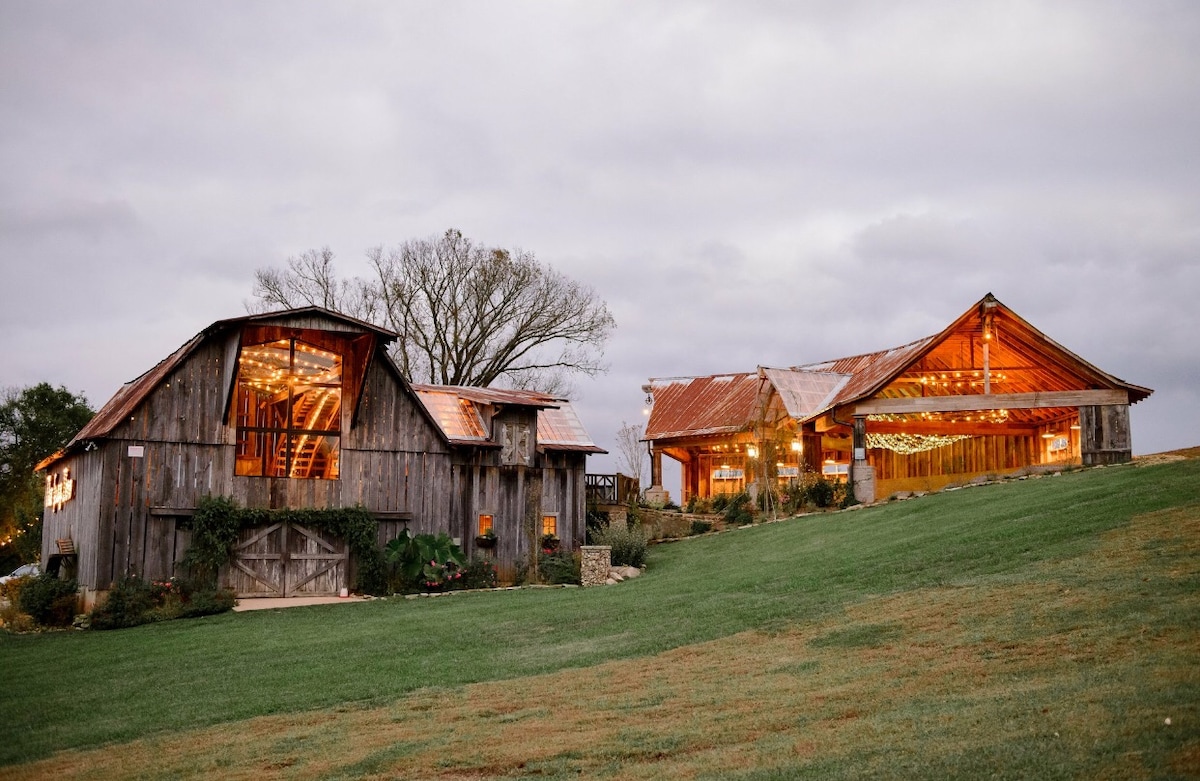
{"x": 48, "y": 600}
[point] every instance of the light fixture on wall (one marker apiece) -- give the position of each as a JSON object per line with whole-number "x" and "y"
{"x": 751, "y": 451}
{"x": 797, "y": 446}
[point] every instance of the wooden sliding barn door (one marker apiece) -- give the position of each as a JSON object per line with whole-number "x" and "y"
{"x": 288, "y": 560}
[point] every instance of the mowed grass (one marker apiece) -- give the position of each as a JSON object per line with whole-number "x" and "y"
{"x": 1037, "y": 629}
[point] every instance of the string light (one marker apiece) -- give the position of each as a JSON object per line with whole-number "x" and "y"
{"x": 906, "y": 444}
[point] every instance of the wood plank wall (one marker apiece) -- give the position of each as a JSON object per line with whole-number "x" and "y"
{"x": 969, "y": 456}
{"x": 393, "y": 461}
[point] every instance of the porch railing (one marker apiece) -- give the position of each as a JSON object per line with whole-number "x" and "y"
{"x": 611, "y": 489}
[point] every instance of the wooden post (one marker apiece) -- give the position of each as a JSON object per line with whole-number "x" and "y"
{"x": 1104, "y": 434}
{"x": 862, "y": 474}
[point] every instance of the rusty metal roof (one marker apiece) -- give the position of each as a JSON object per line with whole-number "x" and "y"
{"x": 702, "y": 406}
{"x": 866, "y": 373}
{"x": 456, "y": 410}
{"x": 726, "y": 403}
{"x": 123, "y": 403}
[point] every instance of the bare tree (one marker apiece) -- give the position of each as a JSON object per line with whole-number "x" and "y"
{"x": 466, "y": 314}
{"x": 631, "y": 450}
{"x": 311, "y": 280}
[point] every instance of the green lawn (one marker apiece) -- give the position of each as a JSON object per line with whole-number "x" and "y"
{"x": 80, "y": 689}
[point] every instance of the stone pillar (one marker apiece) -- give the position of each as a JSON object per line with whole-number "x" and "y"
{"x": 862, "y": 474}
{"x": 656, "y": 495}
{"x": 864, "y": 482}
{"x": 596, "y": 561}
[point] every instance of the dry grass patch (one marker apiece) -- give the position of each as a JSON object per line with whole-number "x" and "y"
{"x": 1066, "y": 671}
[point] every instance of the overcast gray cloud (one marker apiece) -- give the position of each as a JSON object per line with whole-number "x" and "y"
{"x": 744, "y": 183}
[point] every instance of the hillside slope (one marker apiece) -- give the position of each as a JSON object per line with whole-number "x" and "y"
{"x": 939, "y": 628}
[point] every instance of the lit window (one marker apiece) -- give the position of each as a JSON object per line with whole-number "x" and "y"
{"x": 288, "y": 410}
{"x": 550, "y": 525}
{"x": 485, "y": 524}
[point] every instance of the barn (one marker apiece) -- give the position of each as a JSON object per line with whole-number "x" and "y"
{"x": 988, "y": 395}
{"x": 304, "y": 409}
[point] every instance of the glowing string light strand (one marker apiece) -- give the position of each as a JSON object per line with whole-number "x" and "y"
{"x": 906, "y": 444}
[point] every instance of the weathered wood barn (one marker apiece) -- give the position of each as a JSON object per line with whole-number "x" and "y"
{"x": 990, "y": 394}
{"x": 304, "y": 409}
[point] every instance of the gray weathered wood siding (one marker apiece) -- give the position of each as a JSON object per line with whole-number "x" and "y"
{"x": 392, "y": 461}
{"x": 1104, "y": 434}
{"x": 131, "y": 507}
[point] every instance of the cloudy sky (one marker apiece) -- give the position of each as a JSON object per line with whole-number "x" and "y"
{"x": 745, "y": 183}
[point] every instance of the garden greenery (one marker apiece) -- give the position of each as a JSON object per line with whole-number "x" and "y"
{"x": 48, "y": 600}
{"x": 628, "y": 544}
{"x": 133, "y": 601}
{"x": 424, "y": 562}
{"x": 218, "y": 520}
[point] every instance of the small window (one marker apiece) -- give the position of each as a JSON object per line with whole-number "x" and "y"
{"x": 485, "y": 524}
{"x": 550, "y": 525}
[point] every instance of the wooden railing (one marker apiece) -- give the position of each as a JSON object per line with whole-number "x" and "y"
{"x": 611, "y": 489}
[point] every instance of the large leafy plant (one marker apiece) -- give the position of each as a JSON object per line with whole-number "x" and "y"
{"x": 424, "y": 561}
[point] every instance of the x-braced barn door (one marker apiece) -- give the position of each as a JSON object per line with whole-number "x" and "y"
{"x": 287, "y": 560}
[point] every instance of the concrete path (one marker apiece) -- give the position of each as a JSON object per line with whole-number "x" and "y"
{"x": 271, "y": 603}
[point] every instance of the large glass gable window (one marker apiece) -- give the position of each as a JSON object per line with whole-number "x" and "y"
{"x": 288, "y": 413}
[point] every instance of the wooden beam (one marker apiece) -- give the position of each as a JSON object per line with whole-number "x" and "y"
{"x": 979, "y": 401}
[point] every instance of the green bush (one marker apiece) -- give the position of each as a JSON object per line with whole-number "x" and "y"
{"x": 720, "y": 502}
{"x": 559, "y": 567}
{"x": 822, "y": 492}
{"x": 133, "y": 601}
{"x": 698, "y": 504}
{"x": 701, "y": 527}
{"x": 739, "y": 511}
{"x": 48, "y": 600}
{"x": 208, "y": 603}
{"x": 128, "y": 604}
{"x": 628, "y": 545}
{"x": 479, "y": 572}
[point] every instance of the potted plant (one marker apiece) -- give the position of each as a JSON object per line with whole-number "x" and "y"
{"x": 487, "y": 540}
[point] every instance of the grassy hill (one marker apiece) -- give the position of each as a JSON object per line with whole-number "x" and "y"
{"x": 1045, "y": 628}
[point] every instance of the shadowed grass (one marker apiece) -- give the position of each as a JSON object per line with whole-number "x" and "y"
{"x": 795, "y": 581}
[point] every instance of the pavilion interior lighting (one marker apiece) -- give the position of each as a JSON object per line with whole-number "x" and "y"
{"x": 797, "y": 446}
{"x": 751, "y": 451}
{"x": 912, "y": 443}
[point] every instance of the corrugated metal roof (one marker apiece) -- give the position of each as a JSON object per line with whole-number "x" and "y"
{"x": 726, "y": 403}
{"x": 701, "y": 406}
{"x": 804, "y": 393}
{"x": 458, "y": 418}
{"x": 868, "y": 372}
{"x": 455, "y": 408}
{"x": 560, "y": 428}
{"x": 125, "y": 401}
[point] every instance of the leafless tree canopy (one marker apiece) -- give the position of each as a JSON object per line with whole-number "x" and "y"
{"x": 466, "y": 314}
{"x": 631, "y": 450}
